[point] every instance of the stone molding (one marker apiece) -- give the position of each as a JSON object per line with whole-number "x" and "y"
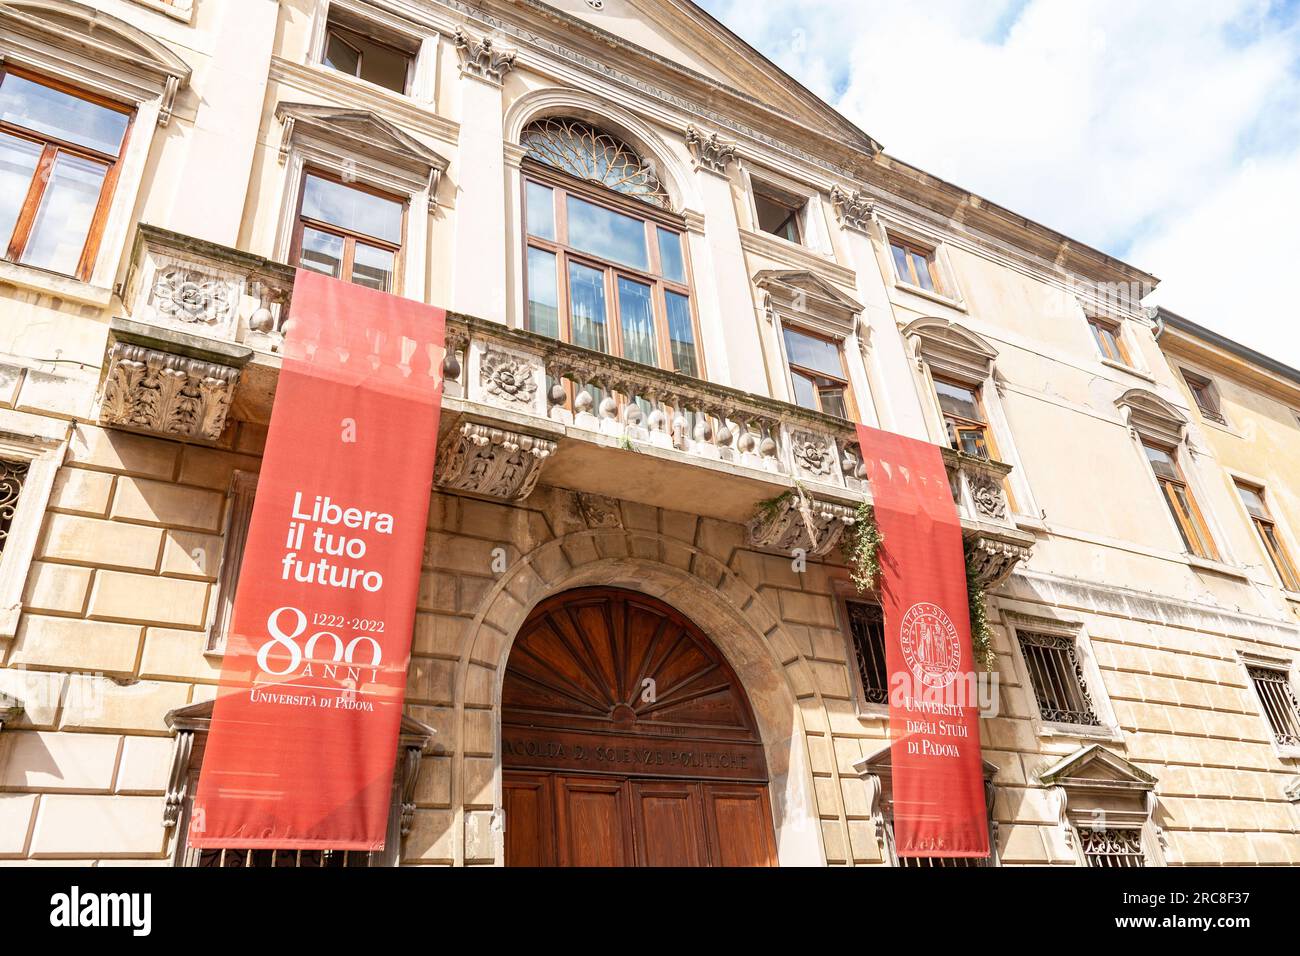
{"x": 801, "y": 522}
{"x": 853, "y": 210}
{"x": 492, "y": 462}
{"x": 171, "y": 395}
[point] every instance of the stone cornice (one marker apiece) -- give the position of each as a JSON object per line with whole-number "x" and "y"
{"x": 1229, "y": 358}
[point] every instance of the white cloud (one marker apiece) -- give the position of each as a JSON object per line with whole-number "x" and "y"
{"x": 1167, "y": 134}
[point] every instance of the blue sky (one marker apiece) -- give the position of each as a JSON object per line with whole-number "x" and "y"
{"x": 1165, "y": 132}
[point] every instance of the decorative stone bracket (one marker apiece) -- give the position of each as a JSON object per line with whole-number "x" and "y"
{"x": 491, "y": 461}
{"x": 993, "y": 542}
{"x": 992, "y": 559}
{"x": 481, "y": 58}
{"x": 853, "y": 210}
{"x": 793, "y": 521}
{"x": 709, "y": 151}
{"x": 167, "y": 394}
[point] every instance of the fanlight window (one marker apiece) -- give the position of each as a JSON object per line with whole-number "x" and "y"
{"x": 584, "y": 151}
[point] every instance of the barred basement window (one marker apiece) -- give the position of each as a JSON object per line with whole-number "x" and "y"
{"x": 1056, "y": 674}
{"x": 1112, "y": 847}
{"x": 1281, "y": 708}
{"x": 867, "y": 631}
{"x": 12, "y": 476}
{"x": 297, "y": 859}
{"x": 943, "y": 862}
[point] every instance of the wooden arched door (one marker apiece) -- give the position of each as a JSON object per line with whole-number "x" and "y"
{"x": 628, "y": 741}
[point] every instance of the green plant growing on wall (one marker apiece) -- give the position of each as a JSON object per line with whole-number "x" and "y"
{"x": 861, "y": 547}
{"x": 981, "y": 633}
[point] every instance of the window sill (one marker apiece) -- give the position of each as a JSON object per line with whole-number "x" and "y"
{"x": 1051, "y": 730}
{"x": 1121, "y": 367}
{"x": 1286, "y": 751}
{"x": 52, "y": 283}
{"x": 873, "y": 715}
{"x": 1215, "y": 567}
{"x": 927, "y": 294}
{"x": 181, "y": 10}
{"x": 1217, "y": 425}
{"x": 1292, "y": 596}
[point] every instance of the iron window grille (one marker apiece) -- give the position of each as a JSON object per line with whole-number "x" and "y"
{"x": 13, "y": 475}
{"x": 1112, "y": 847}
{"x": 1056, "y": 673}
{"x": 1281, "y": 709}
{"x": 867, "y": 631}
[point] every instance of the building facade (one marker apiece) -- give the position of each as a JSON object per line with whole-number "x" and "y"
{"x": 674, "y": 279}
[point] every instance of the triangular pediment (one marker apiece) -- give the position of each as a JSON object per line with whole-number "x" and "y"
{"x": 683, "y": 33}
{"x": 99, "y": 34}
{"x": 1096, "y": 766}
{"x": 360, "y": 131}
{"x": 812, "y": 287}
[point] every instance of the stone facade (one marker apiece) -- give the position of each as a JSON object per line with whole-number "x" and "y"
{"x": 134, "y": 403}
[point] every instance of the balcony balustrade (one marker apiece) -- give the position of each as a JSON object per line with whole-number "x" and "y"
{"x": 200, "y": 344}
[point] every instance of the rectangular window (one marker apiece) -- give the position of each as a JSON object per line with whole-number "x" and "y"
{"x": 353, "y": 49}
{"x": 867, "y": 634}
{"x": 59, "y": 155}
{"x": 1205, "y": 395}
{"x": 779, "y": 213}
{"x": 1107, "y": 336}
{"x": 1056, "y": 674}
{"x": 1278, "y": 698}
{"x": 1183, "y": 507}
{"x": 13, "y": 474}
{"x": 349, "y": 232}
{"x": 817, "y": 372}
{"x": 605, "y": 277}
{"x": 964, "y": 418}
{"x": 1110, "y": 847}
{"x": 1253, "y": 499}
{"x": 915, "y": 265}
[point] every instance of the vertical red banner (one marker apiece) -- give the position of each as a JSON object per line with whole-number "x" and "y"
{"x": 937, "y": 768}
{"x": 304, "y": 731}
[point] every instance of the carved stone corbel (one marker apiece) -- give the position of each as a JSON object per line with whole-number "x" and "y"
{"x": 708, "y": 151}
{"x": 168, "y": 394}
{"x": 492, "y": 462}
{"x": 801, "y": 522}
{"x": 991, "y": 559}
{"x": 482, "y": 58}
{"x": 853, "y": 210}
{"x": 11, "y": 708}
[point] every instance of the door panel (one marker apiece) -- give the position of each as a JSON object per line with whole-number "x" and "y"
{"x": 739, "y": 823}
{"x": 530, "y": 819}
{"x": 668, "y": 821}
{"x": 592, "y": 822}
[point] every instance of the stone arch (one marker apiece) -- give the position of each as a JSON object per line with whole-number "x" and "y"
{"x": 614, "y": 119}
{"x": 715, "y": 598}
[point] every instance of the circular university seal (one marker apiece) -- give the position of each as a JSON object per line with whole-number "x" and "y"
{"x": 930, "y": 644}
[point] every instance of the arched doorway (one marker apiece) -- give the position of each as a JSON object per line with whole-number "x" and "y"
{"x": 627, "y": 740}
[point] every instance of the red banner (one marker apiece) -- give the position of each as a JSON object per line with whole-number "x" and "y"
{"x": 303, "y": 740}
{"x": 937, "y": 769}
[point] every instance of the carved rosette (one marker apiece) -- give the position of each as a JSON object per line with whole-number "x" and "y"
{"x": 598, "y": 511}
{"x": 813, "y": 454}
{"x": 507, "y": 378}
{"x": 482, "y": 58}
{"x": 170, "y": 395}
{"x": 989, "y": 497}
{"x": 189, "y": 296}
{"x": 809, "y": 524}
{"x": 709, "y": 151}
{"x": 492, "y": 462}
{"x": 853, "y": 210}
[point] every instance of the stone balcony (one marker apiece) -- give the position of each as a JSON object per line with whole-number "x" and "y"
{"x": 200, "y": 344}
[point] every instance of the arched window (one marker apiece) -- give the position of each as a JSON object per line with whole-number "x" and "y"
{"x": 606, "y": 261}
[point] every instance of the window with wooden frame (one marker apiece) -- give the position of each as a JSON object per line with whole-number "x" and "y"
{"x": 349, "y": 231}
{"x": 1205, "y": 395}
{"x": 59, "y": 160}
{"x": 964, "y": 417}
{"x": 916, "y": 264}
{"x": 354, "y": 47}
{"x": 606, "y": 264}
{"x": 779, "y": 213}
{"x": 817, "y": 373}
{"x": 1109, "y": 343}
{"x": 1182, "y": 504}
{"x": 1252, "y": 497}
